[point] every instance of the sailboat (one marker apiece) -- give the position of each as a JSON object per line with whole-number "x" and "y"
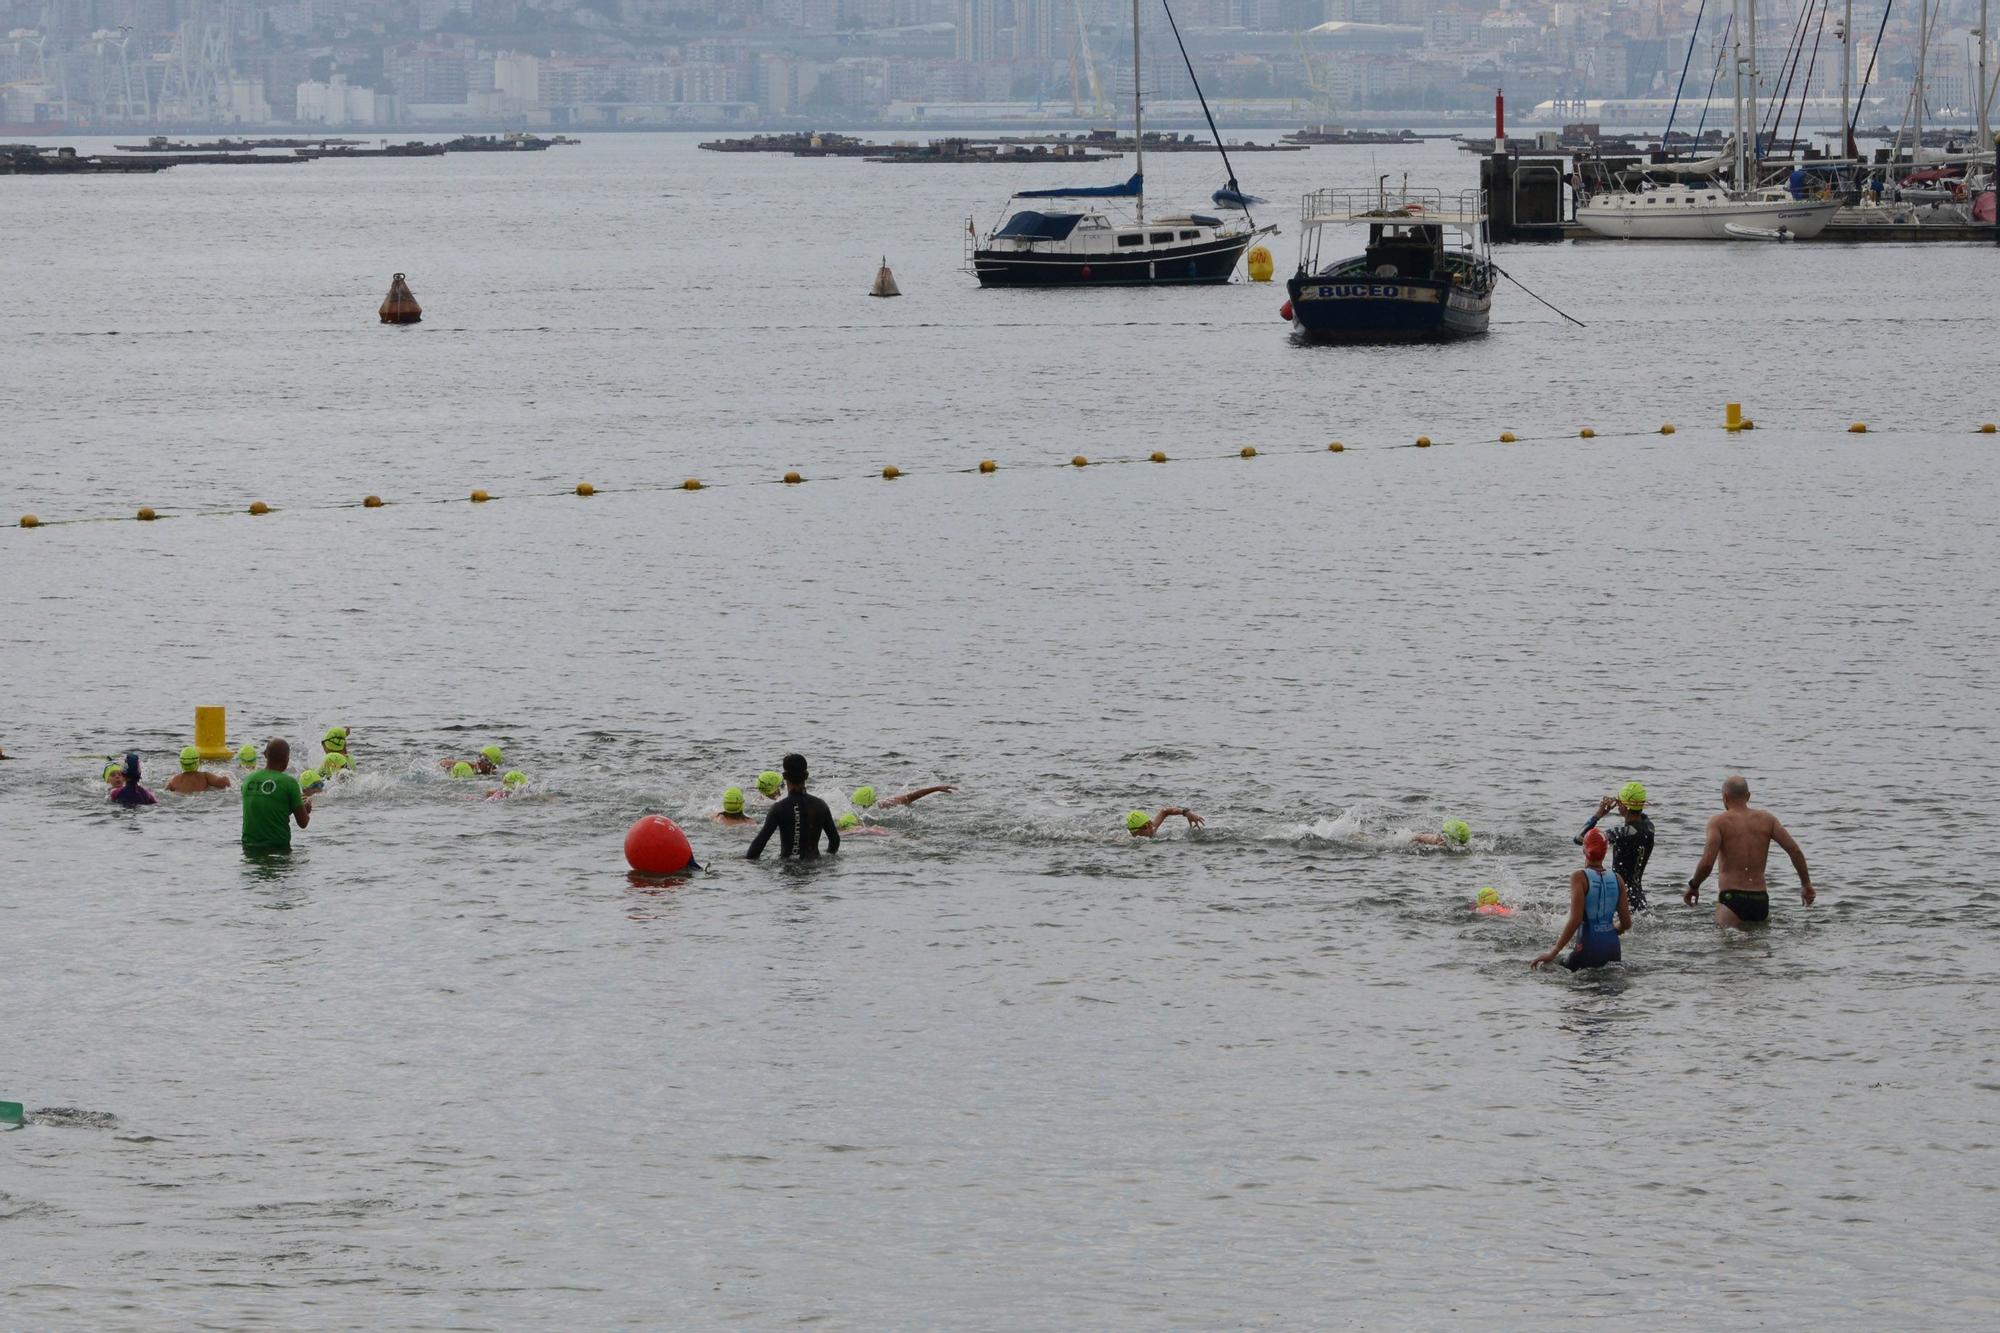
{"x": 1706, "y": 211}
{"x": 1085, "y": 247}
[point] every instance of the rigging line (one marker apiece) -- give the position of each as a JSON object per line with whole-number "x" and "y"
{"x": 1234, "y": 187}
{"x": 1811, "y": 65}
{"x": 1854, "y": 149}
{"x": 1794, "y": 49}
{"x": 1524, "y": 287}
{"x": 1721, "y": 50}
{"x": 1692, "y": 34}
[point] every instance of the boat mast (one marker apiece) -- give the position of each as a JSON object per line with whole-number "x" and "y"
{"x": 1756, "y": 147}
{"x": 1138, "y": 119}
{"x": 1917, "y": 93}
{"x": 1847, "y": 80}
{"x": 1985, "y": 117}
{"x": 1736, "y": 63}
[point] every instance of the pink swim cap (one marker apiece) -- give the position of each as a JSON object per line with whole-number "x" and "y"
{"x": 1594, "y": 845}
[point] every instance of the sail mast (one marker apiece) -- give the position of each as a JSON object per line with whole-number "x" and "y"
{"x": 1138, "y": 118}
{"x": 1736, "y": 101}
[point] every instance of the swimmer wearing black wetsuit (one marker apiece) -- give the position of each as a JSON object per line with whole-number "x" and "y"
{"x": 799, "y": 819}
{"x": 1631, "y": 845}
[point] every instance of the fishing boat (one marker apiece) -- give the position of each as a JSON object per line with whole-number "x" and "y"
{"x": 1426, "y": 275}
{"x": 1087, "y": 247}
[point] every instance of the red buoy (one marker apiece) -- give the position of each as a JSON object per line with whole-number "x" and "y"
{"x": 1285, "y": 311}
{"x": 399, "y": 307}
{"x": 655, "y": 845}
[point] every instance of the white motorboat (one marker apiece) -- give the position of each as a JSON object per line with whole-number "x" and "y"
{"x": 1703, "y": 212}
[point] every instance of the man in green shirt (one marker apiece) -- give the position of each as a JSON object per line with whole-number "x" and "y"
{"x": 271, "y": 798}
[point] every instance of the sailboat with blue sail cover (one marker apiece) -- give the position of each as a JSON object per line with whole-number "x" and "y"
{"x": 1087, "y": 247}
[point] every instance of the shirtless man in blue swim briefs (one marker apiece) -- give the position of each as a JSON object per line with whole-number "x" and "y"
{"x": 1740, "y": 839}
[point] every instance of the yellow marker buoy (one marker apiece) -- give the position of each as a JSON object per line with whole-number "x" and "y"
{"x": 1666, "y": 428}
{"x": 480, "y": 497}
{"x": 1246, "y": 452}
{"x": 987, "y": 465}
{"x": 1159, "y": 456}
{"x": 1733, "y": 417}
{"x": 259, "y": 507}
{"x": 1423, "y": 441}
{"x": 146, "y": 514}
{"x": 372, "y": 502}
{"x": 891, "y": 472}
{"x": 1336, "y": 448}
{"x": 585, "y": 488}
{"x": 1988, "y": 428}
{"x": 1586, "y": 434}
{"x": 1506, "y": 437}
{"x": 691, "y": 484}
{"x": 211, "y": 728}
{"x": 1079, "y": 461}
{"x": 1858, "y": 428}
{"x": 793, "y": 479}
{"x": 30, "y": 521}
{"x": 1259, "y": 263}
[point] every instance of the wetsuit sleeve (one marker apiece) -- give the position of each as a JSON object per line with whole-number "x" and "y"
{"x": 763, "y": 835}
{"x": 832, "y": 829}
{"x": 1578, "y": 839}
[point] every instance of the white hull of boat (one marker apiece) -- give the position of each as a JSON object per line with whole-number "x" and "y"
{"x": 1665, "y": 220}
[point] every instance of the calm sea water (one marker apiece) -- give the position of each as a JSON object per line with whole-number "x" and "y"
{"x": 1001, "y": 1067}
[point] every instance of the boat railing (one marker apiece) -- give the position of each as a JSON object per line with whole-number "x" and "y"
{"x": 1465, "y": 209}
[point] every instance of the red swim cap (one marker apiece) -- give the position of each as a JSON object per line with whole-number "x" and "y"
{"x": 1594, "y": 845}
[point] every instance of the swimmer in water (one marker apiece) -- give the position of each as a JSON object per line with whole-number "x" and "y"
{"x": 864, "y": 797}
{"x": 769, "y": 784}
{"x": 128, "y": 792}
{"x": 247, "y": 756}
{"x": 1140, "y": 826}
{"x": 336, "y": 765}
{"x": 191, "y": 779}
{"x": 1455, "y": 834}
{"x": 732, "y": 808}
{"x": 1631, "y": 841}
{"x": 335, "y": 743}
{"x": 1596, "y": 897}
{"x": 800, "y": 820}
{"x": 1487, "y": 903}
{"x": 1740, "y": 838}
{"x": 487, "y": 762}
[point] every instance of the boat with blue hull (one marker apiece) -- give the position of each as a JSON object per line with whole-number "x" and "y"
{"x": 1426, "y": 274}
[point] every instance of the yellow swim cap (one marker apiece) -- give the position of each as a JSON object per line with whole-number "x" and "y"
{"x": 114, "y": 771}
{"x": 335, "y": 761}
{"x": 492, "y": 752}
{"x": 864, "y": 797}
{"x": 1457, "y": 832}
{"x": 848, "y": 820}
{"x": 461, "y": 769}
{"x": 335, "y": 739}
{"x": 732, "y": 801}
{"x": 514, "y": 778}
{"x": 1632, "y": 795}
{"x": 247, "y": 756}
{"x": 190, "y": 759}
{"x": 1488, "y": 896}
{"x": 768, "y": 782}
{"x": 311, "y": 780}
{"x": 1137, "y": 820}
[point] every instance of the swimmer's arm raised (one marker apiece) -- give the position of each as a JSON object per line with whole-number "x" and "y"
{"x": 912, "y": 797}
{"x": 1603, "y": 809}
{"x": 1711, "y": 850}
{"x": 1194, "y": 820}
{"x": 1783, "y": 838}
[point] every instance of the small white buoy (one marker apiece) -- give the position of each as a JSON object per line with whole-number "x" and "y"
{"x": 885, "y": 281}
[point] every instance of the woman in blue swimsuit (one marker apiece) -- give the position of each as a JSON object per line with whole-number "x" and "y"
{"x": 1600, "y": 910}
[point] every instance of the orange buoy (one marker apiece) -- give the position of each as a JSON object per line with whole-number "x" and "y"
{"x": 372, "y": 502}
{"x": 655, "y": 845}
{"x": 399, "y": 307}
{"x": 1285, "y": 312}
